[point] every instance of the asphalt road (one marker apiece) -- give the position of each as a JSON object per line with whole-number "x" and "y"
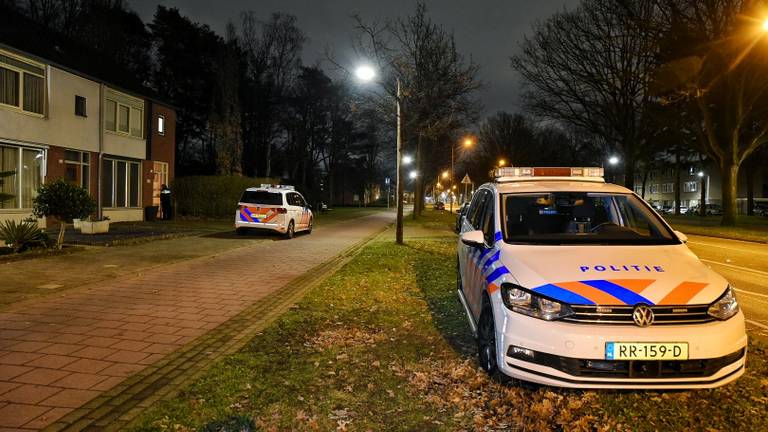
{"x": 745, "y": 265}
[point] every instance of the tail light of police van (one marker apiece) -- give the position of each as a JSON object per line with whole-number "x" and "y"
{"x": 282, "y": 210}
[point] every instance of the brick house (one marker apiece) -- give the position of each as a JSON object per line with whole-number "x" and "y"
{"x": 58, "y": 122}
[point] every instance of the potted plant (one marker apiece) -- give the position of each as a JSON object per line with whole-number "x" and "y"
{"x": 99, "y": 226}
{"x": 65, "y": 202}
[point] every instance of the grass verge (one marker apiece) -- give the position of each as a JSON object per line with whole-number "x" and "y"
{"x": 749, "y": 228}
{"x": 383, "y": 345}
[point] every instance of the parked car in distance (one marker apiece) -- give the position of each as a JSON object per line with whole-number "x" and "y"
{"x": 275, "y": 208}
{"x": 711, "y": 210}
{"x": 461, "y": 213}
{"x": 439, "y": 205}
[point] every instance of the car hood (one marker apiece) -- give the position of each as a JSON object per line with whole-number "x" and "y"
{"x": 614, "y": 275}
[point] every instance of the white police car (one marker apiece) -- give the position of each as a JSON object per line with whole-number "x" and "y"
{"x": 273, "y": 207}
{"x": 570, "y": 281}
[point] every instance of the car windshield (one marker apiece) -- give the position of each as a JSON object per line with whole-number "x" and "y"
{"x": 262, "y": 197}
{"x": 581, "y": 217}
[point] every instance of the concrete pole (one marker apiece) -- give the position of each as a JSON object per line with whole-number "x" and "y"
{"x": 399, "y": 187}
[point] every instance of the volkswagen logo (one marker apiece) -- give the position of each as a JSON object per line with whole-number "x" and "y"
{"x": 642, "y": 315}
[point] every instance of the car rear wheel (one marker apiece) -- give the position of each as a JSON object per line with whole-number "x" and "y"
{"x": 291, "y": 231}
{"x": 241, "y": 231}
{"x": 486, "y": 346}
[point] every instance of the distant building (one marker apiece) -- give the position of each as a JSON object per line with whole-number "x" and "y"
{"x": 661, "y": 185}
{"x": 56, "y": 122}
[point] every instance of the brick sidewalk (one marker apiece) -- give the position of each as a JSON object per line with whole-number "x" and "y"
{"x": 59, "y": 353}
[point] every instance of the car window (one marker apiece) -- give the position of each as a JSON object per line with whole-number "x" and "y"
{"x": 488, "y": 218}
{"x": 300, "y": 200}
{"x": 262, "y": 197}
{"x": 476, "y": 209}
{"x": 581, "y": 217}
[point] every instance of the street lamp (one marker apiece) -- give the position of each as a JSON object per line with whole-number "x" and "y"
{"x": 467, "y": 142}
{"x": 413, "y": 174}
{"x": 407, "y": 159}
{"x": 502, "y": 162}
{"x": 765, "y": 25}
{"x": 613, "y": 160}
{"x": 366, "y": 73}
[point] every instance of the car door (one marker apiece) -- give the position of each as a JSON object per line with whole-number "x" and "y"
{"x": 294, "y": 209}
{"x": 303, "y": 220}
{"x": 474, "y": 255}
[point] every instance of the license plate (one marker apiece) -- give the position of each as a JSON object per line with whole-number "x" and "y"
{"x": 646, "y": 351}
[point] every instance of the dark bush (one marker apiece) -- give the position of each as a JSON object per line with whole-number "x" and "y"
{"x": 211, "y": 196}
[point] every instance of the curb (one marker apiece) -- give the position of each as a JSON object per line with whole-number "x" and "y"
{"x": 117, "y": 408}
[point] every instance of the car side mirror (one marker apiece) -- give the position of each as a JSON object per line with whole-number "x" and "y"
{"x": 682, "y": 237}
{"x": 473, "y": 238}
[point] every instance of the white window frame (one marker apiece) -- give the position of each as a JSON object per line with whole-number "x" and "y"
{"x": 21, "y": 72}
{"x": 127, "y": 186}
{"x": 667, "y": 188}
{"x": 18, "y": 193}
{"x": 82, "y": 166}
{"x": 160, "y": 124}
{"x": 655, "y": 188}
{"x": 134, "y": 104}
{"x": 691, "y": 186}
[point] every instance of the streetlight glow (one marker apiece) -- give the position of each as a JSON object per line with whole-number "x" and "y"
{"x": 365, "y": 73}
{"x": 413, "y": 174}
{"x": 407, "y": 160}
{"x": 445, "y": 174}
{"x": 701, "y": 173}
{"x": 468, "y": 142}
{"x": 613, "y": 160}
{"x": 765, "y": 25}
{"x": 502, "y": 162}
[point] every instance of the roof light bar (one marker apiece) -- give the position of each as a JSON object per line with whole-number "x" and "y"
{"x": 271, "y": 186}
{"x": 525, "y": 173}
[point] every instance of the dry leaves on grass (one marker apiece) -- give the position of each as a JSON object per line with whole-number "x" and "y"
{"x": 344, "y": 337}
{"x": 483, "y": 405}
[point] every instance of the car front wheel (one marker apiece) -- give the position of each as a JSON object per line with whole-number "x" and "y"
{"x": 486, "y": 346}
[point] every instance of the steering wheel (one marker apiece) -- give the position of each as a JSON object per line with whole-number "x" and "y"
{"x": 604, "y": 224}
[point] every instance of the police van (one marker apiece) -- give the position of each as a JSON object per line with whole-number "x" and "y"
{"x": 277, "y": 208}
{"x": 571, "y": 281}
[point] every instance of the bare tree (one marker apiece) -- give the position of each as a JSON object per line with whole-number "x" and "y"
{"x": 588, "y": 68}
{"x": 273, "y": 50}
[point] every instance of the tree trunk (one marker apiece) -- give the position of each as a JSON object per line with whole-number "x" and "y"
{"x": 629, "y": 173}
{"x": 60, "y": 238}
{"x": 330, "y": 187}
{"x": 703, "y": 201}
{"x": 268, "y": 160}
{"x": 418, "y": 196}
{"x": 729, "y": 172}
{"x": 645, "y": 183}
{"x": 751, "y": 190}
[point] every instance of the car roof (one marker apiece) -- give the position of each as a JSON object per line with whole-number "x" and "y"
{"x": 557, "y": 185}
{"x": 272, "y": 189}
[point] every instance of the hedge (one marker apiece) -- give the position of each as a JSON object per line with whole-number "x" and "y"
{"x": 211, "y": 196}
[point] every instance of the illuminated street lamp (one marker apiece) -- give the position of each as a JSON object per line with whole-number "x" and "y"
{"x": 413, "y": 174}
{"x": 613, "y": 160}
{"x": 765, "y": 25}
{"x": 445, "y": 174}
{"x": 407, "y": 159}
{"x": 502, "y": 163}
{"x": 701, "y": 174}
{"x": 366, "y": 73}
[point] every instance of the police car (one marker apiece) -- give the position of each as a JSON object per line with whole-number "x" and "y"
{"x": 570, "y": 281}
{"x": 273, "y": 207}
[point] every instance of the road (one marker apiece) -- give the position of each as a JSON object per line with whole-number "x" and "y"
{"x": 745, "y": 265}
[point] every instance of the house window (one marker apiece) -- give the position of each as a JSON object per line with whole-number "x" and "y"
{"x": 690, "y": 186}
{"x": 22, "y": 85}
{"x": 124, "y": 115}
{"x": 668, "y": 188}
{"x": 76, "y": 168}
{"x": 654, "y": 188}
{"x": 80, "y": 108}
{"x": 161, "y": 125}
{"x": 18, "y": 190}
{"x": 121, "y": 183}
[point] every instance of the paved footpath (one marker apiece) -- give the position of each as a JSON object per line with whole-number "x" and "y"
{"x": 66, "y": 360}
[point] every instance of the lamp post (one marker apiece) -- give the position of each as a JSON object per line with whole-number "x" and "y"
{"x": 366, "y": 73}
{"x": 466, "y": 142}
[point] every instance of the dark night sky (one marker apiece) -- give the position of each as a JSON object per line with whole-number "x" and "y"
{"x": 487, "y": 30}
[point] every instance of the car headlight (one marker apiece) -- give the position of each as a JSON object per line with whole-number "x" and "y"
{"x": 724, "y": 307}
{"x": 523, "y": 301}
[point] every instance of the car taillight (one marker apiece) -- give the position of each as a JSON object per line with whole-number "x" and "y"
{"x": 282, "y": 211}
